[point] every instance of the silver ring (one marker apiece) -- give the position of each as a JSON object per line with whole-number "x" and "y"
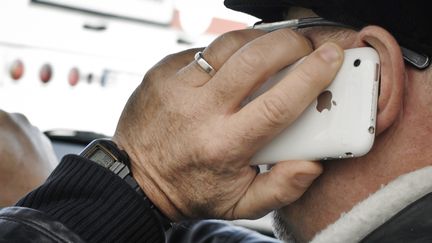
{"x": 204, "y": 64}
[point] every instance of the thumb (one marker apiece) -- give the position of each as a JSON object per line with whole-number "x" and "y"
{"x": 282, "y": 185}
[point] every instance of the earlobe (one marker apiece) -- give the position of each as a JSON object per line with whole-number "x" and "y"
{"x": 390, "y": 100}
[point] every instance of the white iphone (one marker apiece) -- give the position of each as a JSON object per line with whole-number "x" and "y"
{"x": 340, "y": 123}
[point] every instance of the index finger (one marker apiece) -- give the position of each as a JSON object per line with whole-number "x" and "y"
{"x": 254, "y": 63}
{"x": 274, "y": 110}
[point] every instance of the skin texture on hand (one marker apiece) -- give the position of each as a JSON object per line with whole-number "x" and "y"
{"x": 26, "y": 157}
{"x": 190, "y": 140}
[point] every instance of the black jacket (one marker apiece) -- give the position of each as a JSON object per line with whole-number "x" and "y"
{"x": 88, "y": 200}
{"x": 84, "y": 202}
{"x": 25, "y": 225}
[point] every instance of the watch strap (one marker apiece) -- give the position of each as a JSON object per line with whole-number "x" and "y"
{"x": 118, "y": 162}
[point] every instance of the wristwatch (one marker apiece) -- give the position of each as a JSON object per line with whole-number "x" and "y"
{"x": 105, "y": 153}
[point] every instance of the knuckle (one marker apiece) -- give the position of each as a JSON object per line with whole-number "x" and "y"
{"x": 185, "y": 54}
{"x": 288, "y": 190}
{"x": 298, "y": 188}
{"x": 152, "y": 74}
{"x": 159, "y": 70}
{"x": 234, "y": 39}
{"x": 167, "y": 58}
{"x": 231, "y": 39}
{"x": 296, "y": 40}
{"x": 284, "y": 196}
{"x": 250, "y": 60}
{"x": 306, "y": 76}
{"x": 275, "y": 110}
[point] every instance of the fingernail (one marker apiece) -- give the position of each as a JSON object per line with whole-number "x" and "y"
{"x": 329, "y": 52}
{"x": 305, "y": 179}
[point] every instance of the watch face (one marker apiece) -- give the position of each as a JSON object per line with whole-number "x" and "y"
{"x": 101, "y": 157}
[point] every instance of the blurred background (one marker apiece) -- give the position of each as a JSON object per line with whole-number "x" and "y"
{"x": 64, "y": 59}
{"x": 71, "y": 65}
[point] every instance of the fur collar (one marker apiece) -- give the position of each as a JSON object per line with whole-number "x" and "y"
{"x": 378, "y": 208}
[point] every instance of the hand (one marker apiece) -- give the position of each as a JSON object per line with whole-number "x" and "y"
{"x": 190, "y": 140}
{"x": 26, "y": 157}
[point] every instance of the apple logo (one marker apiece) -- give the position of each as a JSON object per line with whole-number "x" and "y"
{"x": 324, "y": 101}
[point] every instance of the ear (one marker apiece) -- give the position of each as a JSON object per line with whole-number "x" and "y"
{"x": 392, "y": 74}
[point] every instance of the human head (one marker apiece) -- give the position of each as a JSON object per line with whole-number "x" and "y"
{"x": 402, "y": 140}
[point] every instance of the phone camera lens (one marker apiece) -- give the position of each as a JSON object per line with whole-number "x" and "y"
{"x": 357, "y": 63}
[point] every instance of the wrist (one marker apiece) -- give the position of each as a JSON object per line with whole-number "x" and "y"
{"x": 146, "y": 177}
{"x": 156, "y": 195}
